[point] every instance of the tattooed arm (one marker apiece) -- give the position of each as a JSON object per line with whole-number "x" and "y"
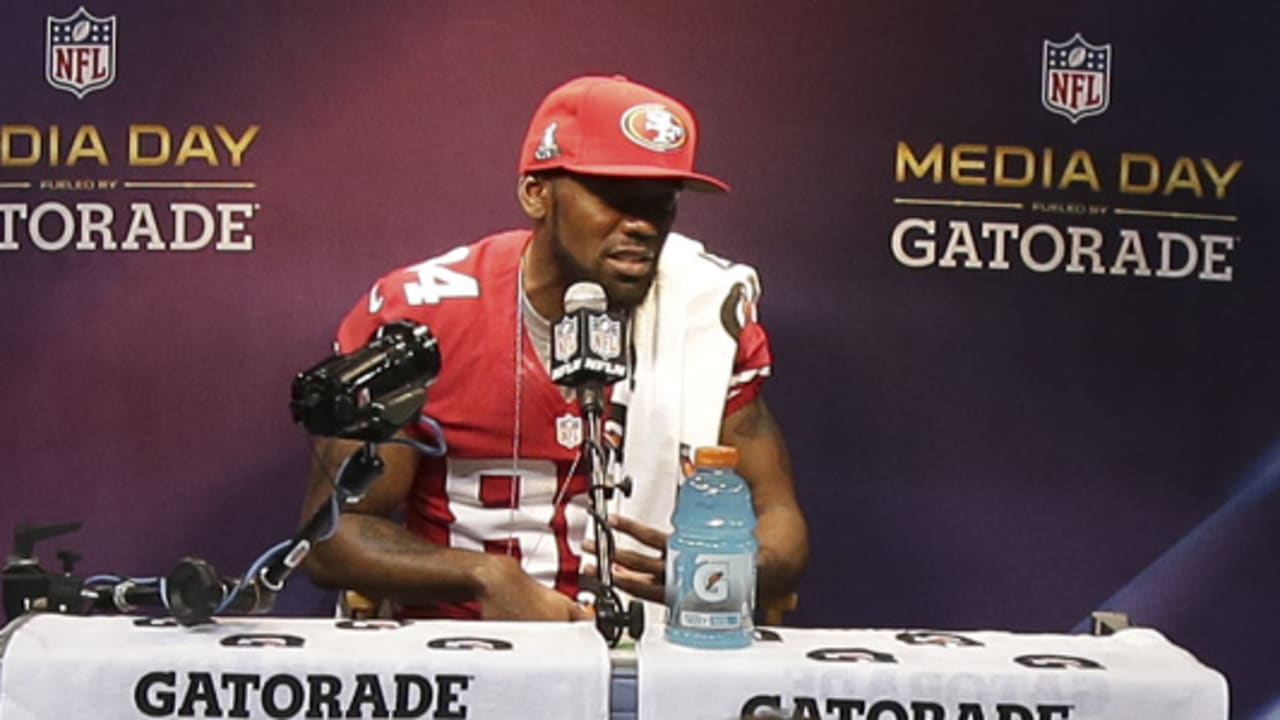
{"x": 377, "y": 556}
{"x": 763, "y": 461}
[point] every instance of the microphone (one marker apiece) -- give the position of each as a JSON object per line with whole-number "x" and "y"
{"x": 587, "y": 345}
{"x": 192, "y": 593}
{"x": 371, "y": 392}
{"x": 195, "y": 591}
{"x": 587, "y": 353}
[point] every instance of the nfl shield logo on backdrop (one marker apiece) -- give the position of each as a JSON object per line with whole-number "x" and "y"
{"x": 80, "y": 52}
{"x": 1075, "y": 78}
{"x": 605, "y": 336}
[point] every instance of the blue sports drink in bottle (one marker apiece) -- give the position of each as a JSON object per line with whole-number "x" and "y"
{"x": 711, "y": 556}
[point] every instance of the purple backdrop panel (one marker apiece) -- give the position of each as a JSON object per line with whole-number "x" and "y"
{"x": 1019, "y": 267}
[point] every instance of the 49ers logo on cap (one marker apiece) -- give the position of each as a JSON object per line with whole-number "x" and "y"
{"x": 653, "y": 126}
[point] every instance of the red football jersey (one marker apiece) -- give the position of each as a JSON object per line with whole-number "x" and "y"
{"x": 512, "y": 481}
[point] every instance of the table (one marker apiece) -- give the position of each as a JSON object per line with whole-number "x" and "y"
{"x": 56, "y": 666}
{"x": 930, "y": 675}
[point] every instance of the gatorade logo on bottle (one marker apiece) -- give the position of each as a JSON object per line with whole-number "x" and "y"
{"x": 711, "y": 581}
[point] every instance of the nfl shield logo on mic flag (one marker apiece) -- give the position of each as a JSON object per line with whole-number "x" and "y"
{"x": 80, "y": 52}
{"x": 1075, "y": 78}
{"x": 566, "y": 338}
{"x": 605, "y": 336}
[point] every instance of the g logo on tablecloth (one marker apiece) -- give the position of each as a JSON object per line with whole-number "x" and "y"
{"x": 765, "y": 635}
{"x": 469, "y": 643}
{"x": 1058, "y": 662}
{"x": 850, "y": 654}
{"x": 934, "y": 637}
{"x": 263, "y": 640}
{"x": 371, "y": 624}
{"x": 155, "y": 623}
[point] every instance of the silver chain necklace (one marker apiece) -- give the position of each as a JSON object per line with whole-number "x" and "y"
{"x": 519, "y": 387}
{"x": 562, "y": 486}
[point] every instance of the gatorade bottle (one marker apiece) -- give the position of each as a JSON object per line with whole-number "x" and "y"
{"x": 711, "y": 556}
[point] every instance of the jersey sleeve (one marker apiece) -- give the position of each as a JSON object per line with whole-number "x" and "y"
{"x": 753, "y": 361}
{"x": 752, "y": 364}
{"x": 383, "y": 303}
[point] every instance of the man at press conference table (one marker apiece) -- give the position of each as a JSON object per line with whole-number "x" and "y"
{"x": 496, "y": 529}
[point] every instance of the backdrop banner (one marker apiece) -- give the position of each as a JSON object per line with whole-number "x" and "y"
{"x": 1019, "y": 264}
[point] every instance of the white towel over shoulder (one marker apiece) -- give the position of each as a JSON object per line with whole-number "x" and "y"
{"x": 684, "y": 362}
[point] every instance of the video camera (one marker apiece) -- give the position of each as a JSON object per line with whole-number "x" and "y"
{"x": 372, "y": 392}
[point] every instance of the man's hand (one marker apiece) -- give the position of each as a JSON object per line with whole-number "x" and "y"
{"x": 505, "y": 592}
{"x": 639, "y": 573}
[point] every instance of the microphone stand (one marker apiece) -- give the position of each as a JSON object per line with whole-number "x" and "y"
{"x": 584, "y": 356}
{"x": 611, "y": 620}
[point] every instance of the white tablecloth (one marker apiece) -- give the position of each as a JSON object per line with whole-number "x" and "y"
{"x": 1135, "y": 674}
{"x": 57, "y": 666}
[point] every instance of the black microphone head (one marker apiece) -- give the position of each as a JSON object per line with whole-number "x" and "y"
{"x": 585, "y": 295}
{"x": 194, "y": 590}
{"x": 588, "y": 341}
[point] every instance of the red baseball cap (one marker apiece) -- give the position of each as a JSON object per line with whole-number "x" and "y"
{"x": 611, "y": 126}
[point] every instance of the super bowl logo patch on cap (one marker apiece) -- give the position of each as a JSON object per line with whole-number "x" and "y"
{"x": 547, "y": 147}
{"x": 654, "y": 127}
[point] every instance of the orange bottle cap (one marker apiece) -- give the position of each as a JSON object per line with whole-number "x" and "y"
{"x": 716, "y": 456}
